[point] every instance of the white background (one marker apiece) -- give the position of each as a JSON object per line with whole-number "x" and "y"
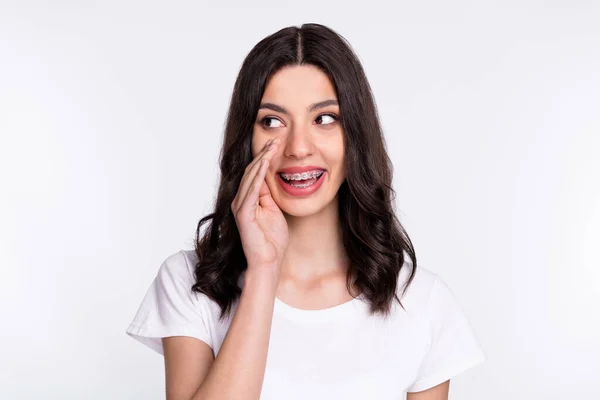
{"x": 111, "y": 116}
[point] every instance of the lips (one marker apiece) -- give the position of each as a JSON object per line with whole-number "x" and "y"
{"x": 301, "y": 189}
{"x": 298, "y": 189}
{"x": 299, "y": 170}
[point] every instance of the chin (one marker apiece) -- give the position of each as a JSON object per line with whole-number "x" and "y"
{"x": 301, "y": 210}
{"x": 305, "y": 207}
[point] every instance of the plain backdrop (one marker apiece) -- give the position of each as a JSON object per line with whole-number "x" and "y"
{"x": 111, "y": 117}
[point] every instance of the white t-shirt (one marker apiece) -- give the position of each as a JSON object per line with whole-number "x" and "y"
{"x": 341, "y": 352}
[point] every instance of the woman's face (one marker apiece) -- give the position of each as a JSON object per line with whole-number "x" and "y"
{"x": 299, "y": 106}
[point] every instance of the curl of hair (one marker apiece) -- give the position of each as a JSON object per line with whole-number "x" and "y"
{"x": 372, "y": 235}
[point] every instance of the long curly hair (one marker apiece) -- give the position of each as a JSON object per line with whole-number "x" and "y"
{"x": 373, "y": 237}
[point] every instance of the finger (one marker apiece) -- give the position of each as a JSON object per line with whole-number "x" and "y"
{"x": 251, "y": 200}
{"x": 243, "y": 185}
{"x": 248, "y": 177}
{"x": 249, "y": 173}
{"x": 264, "y": 195}
{"x": 264, "y": 150}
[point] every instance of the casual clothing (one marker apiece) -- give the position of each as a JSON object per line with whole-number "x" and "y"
{"x": 341, "y": 352}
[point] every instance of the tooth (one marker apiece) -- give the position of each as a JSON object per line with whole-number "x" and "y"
{"x": 302, "y": 176}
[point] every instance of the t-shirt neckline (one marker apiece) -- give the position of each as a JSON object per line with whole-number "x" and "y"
{"x": 340, "y": 311}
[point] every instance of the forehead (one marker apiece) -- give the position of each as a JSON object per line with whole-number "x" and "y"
{"x": 299, "y": 85}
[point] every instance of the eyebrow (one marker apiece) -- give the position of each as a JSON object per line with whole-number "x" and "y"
{"x": 311, "y": 108}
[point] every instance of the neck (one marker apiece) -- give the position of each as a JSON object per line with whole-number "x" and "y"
{"x": 315, "y": 250}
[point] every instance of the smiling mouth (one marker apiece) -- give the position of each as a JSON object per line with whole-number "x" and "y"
{"x": 303, "y": 179}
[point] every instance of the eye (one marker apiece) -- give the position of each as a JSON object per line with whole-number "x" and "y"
{"x": 331, "y": 117}
{"x": 262, "y": 121}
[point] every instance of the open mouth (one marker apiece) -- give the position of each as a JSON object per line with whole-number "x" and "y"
{"x": 302, "y": 180}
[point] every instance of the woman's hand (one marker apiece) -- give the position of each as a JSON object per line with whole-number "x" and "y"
{"x": 261, "y": 223}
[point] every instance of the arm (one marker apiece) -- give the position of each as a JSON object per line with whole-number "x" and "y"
{"x": 238, "y": 370}
{"x": 439, "y": 392}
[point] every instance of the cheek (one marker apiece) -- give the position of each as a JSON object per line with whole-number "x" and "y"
{"x": 336, "y": 151}
{"x": 337, "y": 158}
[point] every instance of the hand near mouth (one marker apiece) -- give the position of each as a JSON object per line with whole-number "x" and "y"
{"x": 261, "y": 223}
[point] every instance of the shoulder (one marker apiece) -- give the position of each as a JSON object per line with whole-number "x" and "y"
{"x": 176, "y": 273}
{"x": 422, "y": 285}
{"x": 179, "y": 266}
{"x": 424, "y": 292}
{"x": 177, "y": 276}
{"x": 171, "y": 308}
{"x": 442, "y": 332}
{"x": 429, "y": 302}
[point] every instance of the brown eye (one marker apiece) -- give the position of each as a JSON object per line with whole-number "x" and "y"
{"x": 263, "y": 122}
{"x": 327, "y": 117}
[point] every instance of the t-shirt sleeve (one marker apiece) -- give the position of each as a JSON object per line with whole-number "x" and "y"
{"x": 171, "y": 308}
{"x": 454, "y": 347}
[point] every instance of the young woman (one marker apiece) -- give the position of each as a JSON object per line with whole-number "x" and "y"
{"x": 304, "y": 284}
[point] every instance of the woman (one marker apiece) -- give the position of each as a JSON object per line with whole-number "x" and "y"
{"x": 333, "y": 305}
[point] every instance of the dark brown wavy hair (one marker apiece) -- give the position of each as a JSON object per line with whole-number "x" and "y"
{"x": 373, "y": 237}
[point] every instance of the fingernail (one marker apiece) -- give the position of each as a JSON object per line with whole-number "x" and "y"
{"x": 276, "y": 141}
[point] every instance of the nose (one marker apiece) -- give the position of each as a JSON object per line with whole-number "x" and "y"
{"x": 299, "y": 143}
